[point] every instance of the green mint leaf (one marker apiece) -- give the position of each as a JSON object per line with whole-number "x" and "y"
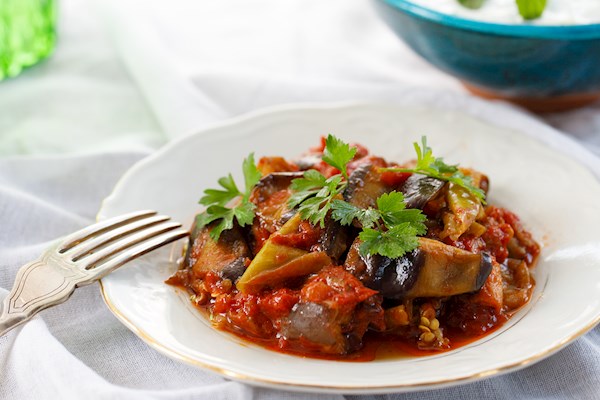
{"x": 393, "y": 243}
{"x": 531, "y": 9}
{"x": 251, "y": 173}
{"x": 472, "y": 4}
{"x": 338, "y": 154}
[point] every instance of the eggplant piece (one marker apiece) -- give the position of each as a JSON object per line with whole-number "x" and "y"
{"x": 270, "y": 196}
{"x": 233, "y": 271}
{"x": 434, "y": 269}
{"x": 273, "y": 183}
{"x": 308, "y": 161}
{"x": 317, "y": 324}
{"x": 333, "y": 314}
{"x": 334, "y": 240}
{"x": 419, "y": 189}
{"x": 364, "y": 187}
{"x": 205, "y": 254}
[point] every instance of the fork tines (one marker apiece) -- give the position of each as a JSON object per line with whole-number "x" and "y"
{"x": 111, "y": 243}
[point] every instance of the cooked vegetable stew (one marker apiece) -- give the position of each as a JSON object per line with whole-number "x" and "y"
{"x": 335, "y": 252}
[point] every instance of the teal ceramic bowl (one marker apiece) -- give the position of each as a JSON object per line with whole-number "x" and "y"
{"x": 544, "y": 68}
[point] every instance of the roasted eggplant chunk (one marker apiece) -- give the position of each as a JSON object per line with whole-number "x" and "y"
{"x": 334, "y": 240}
{"x": 226, "y": 256}
{"x": 432, "y": 270}
{"x": 270, "y": 197}
{"x": 365, "y": 186}
{"x": 419, "y": 189}
{"x": 334, "y": 312}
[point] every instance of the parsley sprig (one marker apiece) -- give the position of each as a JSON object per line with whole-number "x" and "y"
{"x": 218, "y": 201}
{"x": 338, "y": 154}
{"x": 396, "y": 230}
{"x": 435, "y": 167}
{"x": 313, "y": 193}
{"x": 390, "y": 229}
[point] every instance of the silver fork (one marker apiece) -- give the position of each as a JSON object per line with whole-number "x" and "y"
{"x": 82, "y": 258}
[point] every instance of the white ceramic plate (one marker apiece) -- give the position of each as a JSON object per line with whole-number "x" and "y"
{"x": 556, "y": 198}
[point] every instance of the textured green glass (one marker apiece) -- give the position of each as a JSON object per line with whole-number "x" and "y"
{"x": 27, "y": 34}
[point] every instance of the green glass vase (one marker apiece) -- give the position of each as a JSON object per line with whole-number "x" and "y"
{"x": 27, "y": 34}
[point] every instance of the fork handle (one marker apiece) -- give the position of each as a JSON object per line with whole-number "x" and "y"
{"x": 8, "y": 322}
{"x": 37, "y": 286}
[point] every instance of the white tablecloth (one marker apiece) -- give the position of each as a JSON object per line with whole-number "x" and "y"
{"x": 129, "y": 75}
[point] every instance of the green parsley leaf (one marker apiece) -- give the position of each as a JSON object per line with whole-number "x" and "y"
{"x": 251, "y": 174}
{"x": 413, "y": 216}
{"x": 403, "y": 226}
{"x": 315, "y": 208}
{"x": 313, "y": 193}
{"x": 214, "y": 213}
{"x": 309, "y": 185}
{"x": 393, "y": 212}
{"x": 221, "y": 197}
{"x": 217, "y": 201}
{"x": 434, "y": 167}
{"x": 338, "y": 154}
{"x": 244, "y": 213}
{"x": 391, "y": 202}
{"x": 531, "y": 9}
{"x": 390, "y": 230}
{"x": 472, "y": 4}
{"x": 345, "y": 213}
{"x": 310, "y": 179}
{"x": 393, "y": 243}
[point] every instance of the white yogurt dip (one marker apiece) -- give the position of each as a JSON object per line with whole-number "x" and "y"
{"x": 557, "y": 12}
